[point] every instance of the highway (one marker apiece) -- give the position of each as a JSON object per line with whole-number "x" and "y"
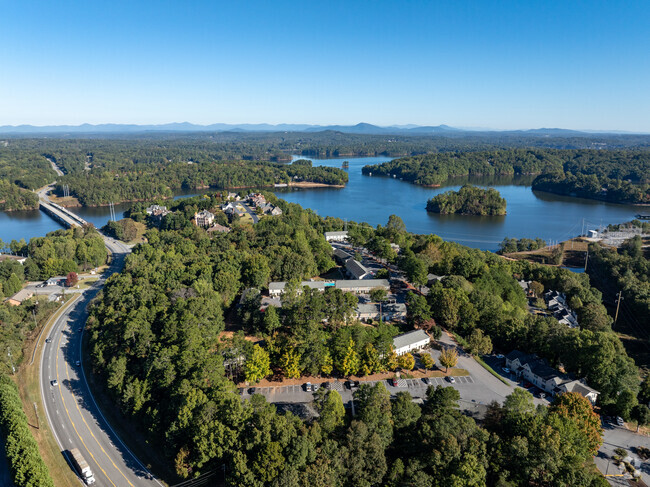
{"x": 70, "y": 408}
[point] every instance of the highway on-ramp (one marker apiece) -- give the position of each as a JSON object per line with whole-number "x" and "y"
{"x": 70, "y": 408}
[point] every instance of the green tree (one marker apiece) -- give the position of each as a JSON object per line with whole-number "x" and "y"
{"x": 404, "y": 411}
{"x": 479, "y": 344}
{"x": 291, "y": 364}
{"x": 579, "y": 410}
{"x": 418, "y": 309}
{"x": 350, "y": 363}
{"x": 331, "y": 410}
{"x": 641, "y": 414}
{"x": 258, "y": 365}
{"x": 378, "y": 295}
{"x": 406, "y": 361}
{"x": 427, "y": 360}
{"x": 271, "y": 320}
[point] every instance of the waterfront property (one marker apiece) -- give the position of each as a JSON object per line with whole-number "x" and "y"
{"x": 336, "y": 236}
{"x": 356, "y": 270}
{"x": 203, "y": 218}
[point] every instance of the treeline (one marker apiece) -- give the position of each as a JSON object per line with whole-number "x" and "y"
{"x": 595, "y": 187}
{"x": 13, "y": 197}
{"x": 626, "y": 271}
{"x": 510, "y": 245}
{"x": 27, "y": 466}
{"x": 584, "y": 172}
{"x": 469, "y": 200}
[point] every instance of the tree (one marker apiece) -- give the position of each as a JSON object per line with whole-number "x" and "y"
{"x": 271, "y": 320}
{"x": 378, "y": 295}
{"x": 406, "y": 361}
{"x": 256, "y": 271}
{"x": 519, "y": 402}
{"x": 350, "y": 361}
{"x": 479, "y": 344}
{"x": 625, "y": 402}
{"x": 578, "y": 409}
{"x": 537, "y": 288}
{"x": 418, "y": 309}
{"x": 440, "y": 399}
{"x": 448, "y": 358}
{"x": 327, "y": 365}
{"x": 370, "y": 360}
{"x": 71, "y": 279}
{"x": 405, "y": 412}
{"x": 258, "y": 365}
{"x": 331, "y": 410}
{"x": 291, "y": 364}
{"x": 427, "y": 360}
{"x": 641, "y": 413}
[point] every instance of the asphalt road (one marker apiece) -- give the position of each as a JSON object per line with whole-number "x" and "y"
{"x": 70, "y": 408}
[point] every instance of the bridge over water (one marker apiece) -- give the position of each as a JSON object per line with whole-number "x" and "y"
{"x": 60, "y": 214}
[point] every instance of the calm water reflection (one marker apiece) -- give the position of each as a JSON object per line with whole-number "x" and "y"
{"x": 374, "y": 199}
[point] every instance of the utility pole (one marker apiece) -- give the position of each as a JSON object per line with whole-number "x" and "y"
{"x": 583, "y": 227}
{"x": 586, "y": 259}
{"x": 619, "y": 298}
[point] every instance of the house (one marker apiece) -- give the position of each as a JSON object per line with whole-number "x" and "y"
{"x": 413, "y": 340}
{"x": 18, "y": 298}
{"x": 557, "y": 304}
{"x": 581, "y": 388}
{"x": 336, "y": 236}
{"x": 277, "y": 288}
{"x": 256, "y": 199}
{"x": 154, "y": 208}
{"x": 203, "y": 218}
{"x": 387, "y": 312}
{"x": 538, "y": 372}
{"x": 157, "y": 213}
{"x": 233, "y": 196}
{"x": 356, "y": 270}
{"x": 218, "y": 228}
{"x": 276, "y": 211}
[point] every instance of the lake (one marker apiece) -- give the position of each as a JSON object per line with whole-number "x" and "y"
{"x": 373, "y": 199}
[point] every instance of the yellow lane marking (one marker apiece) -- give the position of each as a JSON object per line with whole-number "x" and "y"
{"x": 92, "y": 434}
{"x": 68, "y": 413}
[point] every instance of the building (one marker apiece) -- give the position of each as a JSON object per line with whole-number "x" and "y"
{"x": 157, "y": 213}
{"x": 557, "y": 304}
{"x": 276, "y": 211}
{"x": 413, "y": 340}
{"x": 18, "y": 298}
{"x": 387, "y": 312}
{"x": 18, "y": 258}
{"x": 357, "y": 287}
{"x": 538, "y": 372}
{"x": 356, "y": 270}
{"x": 203, "y": 218}
{"x": 336, "y": 236}
{"x": 256, "y": 199}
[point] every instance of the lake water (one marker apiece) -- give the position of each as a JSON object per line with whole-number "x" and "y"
{"x": 374, "y": 199}
{"x": 530, "y": 214}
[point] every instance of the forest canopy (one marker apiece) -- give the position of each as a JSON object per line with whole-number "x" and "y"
{"x": 469, "y": 200}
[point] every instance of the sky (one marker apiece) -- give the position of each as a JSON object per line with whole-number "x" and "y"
{"x": 491, "y": 64}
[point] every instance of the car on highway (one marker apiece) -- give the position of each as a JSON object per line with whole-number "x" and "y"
{"x": 48, "y": 340}
{"x": 54, "y": 383}
{"x": 451, "y": 379}
{"x": 78, "y": 363}
{"x": 80, "y": 329}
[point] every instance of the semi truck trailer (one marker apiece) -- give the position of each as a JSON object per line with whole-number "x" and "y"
{"x": 82, "y": 466}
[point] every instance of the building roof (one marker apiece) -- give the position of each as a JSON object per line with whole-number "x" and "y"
{"x": 336, "y": 234}
{"x": 522, "y": 356}
{"x": 366, "y": 283}
{"x": 580, "y": 387}
{"x": 409, "y": 338}
{"x": 342, "y": 254}
{"x": 204, "y": 214}
{"x": 542, "y": 369}
{"x": 386, "y": 308}
{"x": 22, "y": 295}
{"x": 218, "y": 228}
{"x": 356, "y": 268}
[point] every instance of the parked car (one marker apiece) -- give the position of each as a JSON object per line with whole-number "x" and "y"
{"x": 505, "y": 369}
{"x": 252, "y": 390}
{"x": 54, "y": 383}
{"x": 501, "y": 356}
{"x": 308, "y": 387}
{"x": 541, "y": 394}
{"x": 315, "y": 387}
{"x": 451, "y": 379}
{"x": 394, "y": 382}
{"x": 620, "y": 421}
{"x": 427, "y": 380}
{"x": 78, "y": 363}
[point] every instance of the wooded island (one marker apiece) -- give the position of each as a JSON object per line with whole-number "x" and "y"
{"x": 469, "y": 200}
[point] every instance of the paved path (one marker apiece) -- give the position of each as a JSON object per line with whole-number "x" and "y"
{"x": 70, "y": 408}
{"x": 619, "y": 437}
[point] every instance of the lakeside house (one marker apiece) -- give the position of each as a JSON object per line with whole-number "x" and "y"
{"x": 203, "y": 218}
{"x": 538, "y": 372}
{"x": 336, "y": 236}
{"x": 354, "y": 286}
{"x": 157, "y": 213}
{"x": 408, "y": 342}
{"x": 557, "y": 304}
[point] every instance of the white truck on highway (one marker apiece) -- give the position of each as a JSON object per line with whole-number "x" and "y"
{"x": 82, "y": 466}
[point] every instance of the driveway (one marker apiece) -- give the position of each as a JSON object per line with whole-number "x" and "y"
{"x": 619, "y": 437}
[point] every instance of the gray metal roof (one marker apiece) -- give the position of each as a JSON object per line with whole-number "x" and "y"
{"x": 364, "y": 283}
{"x": 409, "y": 338}
{"x": 356, "y": 268}
{"x": 336, "y": 234}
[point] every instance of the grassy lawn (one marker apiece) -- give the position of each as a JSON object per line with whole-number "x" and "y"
{"x": 86, "y": 283}
{"x": 27, "y": 379}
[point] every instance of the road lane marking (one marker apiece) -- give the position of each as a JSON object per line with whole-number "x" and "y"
{"x": 67, "y": 373}
{"x": 72, "y": 422}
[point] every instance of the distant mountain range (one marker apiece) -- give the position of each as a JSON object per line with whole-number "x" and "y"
{"x": 360, "y": 128}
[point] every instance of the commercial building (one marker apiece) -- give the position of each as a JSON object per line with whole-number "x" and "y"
{"x": 354, "y": 286}
{"x": 408, "y": 342}
{"x": 336, "y": 236}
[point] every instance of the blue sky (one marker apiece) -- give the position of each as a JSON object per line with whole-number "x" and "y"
{"x": 497, "y": 64}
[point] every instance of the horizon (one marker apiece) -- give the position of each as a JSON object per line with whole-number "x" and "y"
{"x": 497, "y": 65}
